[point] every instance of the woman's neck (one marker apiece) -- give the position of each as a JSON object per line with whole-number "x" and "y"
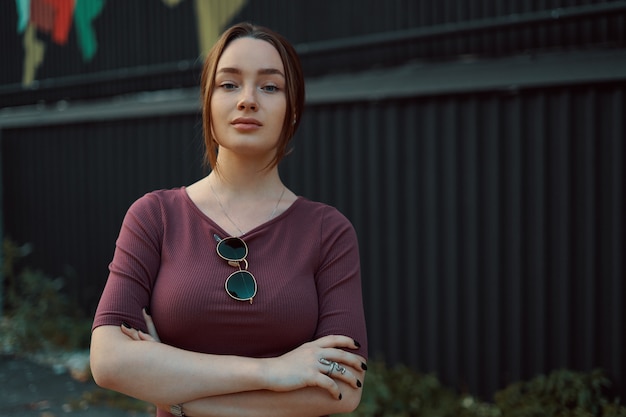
{"x": 241, "y": 174}
{"x": 246, "y": 182}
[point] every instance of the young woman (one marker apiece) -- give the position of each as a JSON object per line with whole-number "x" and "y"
{"x": 253, "y": 292}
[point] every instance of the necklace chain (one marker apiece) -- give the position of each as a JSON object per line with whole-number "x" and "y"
{"x": 231, "y": 220}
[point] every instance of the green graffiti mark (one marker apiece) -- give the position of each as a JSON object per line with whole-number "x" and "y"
{"x": 84, "y": 13}
{"x": 23, "y": 14}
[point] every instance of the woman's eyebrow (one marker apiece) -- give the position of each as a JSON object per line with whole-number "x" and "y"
{"x": 262, "y": 71}
{"x": 271, "y": 71}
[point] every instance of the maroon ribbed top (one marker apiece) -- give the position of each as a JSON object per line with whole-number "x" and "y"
{"x": 305, "y": 262}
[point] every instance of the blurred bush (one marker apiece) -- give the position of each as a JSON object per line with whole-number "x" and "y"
{"x": 37, "y": 313}
{"x": 402, "y": 392}
{"x": 562, "y": 393}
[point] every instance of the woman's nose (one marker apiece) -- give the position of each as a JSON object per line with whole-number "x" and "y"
{"x": 248, "y": 100}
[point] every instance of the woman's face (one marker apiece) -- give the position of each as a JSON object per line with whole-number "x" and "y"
{"x": 249, "y": 101}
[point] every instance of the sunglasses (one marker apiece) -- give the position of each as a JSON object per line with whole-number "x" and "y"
{"x": 240, "y": 285}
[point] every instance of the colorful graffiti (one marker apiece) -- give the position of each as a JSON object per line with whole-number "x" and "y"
{"x": 56, "y": 17}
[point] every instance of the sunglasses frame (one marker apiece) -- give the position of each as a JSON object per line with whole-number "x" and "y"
{"x": 236, "y": 262}
{"x": 234, "y": 297}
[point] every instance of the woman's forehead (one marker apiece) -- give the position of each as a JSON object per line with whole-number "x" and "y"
{"x": 250, "y": 54}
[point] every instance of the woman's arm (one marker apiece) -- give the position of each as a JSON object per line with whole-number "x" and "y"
{"x": 301, "y": 403}
{"x": 121, "y": 364}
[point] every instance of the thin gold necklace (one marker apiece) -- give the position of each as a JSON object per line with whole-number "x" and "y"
{"x": 232, "y": 221}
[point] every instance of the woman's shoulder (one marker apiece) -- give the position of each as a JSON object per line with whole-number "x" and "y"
{"x": 164, "y": 195}
{"x": 323, "y": 212}
{"x": 159, "y": 200}
{"x": 304, "y": 203}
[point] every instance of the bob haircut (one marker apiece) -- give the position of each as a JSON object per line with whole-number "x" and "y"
{"x": 294, "y": 82}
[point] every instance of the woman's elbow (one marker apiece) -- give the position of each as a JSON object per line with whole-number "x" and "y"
{"x": 102, "y": 359}
{"x": 100, "y": 371}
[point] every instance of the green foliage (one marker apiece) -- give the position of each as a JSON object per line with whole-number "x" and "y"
{"x": 38, "y": 315}
{"x": 401, "y": 392}
{"x": 562, "y": 393}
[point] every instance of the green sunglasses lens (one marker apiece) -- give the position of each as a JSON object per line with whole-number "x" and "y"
{"x": 232, "y": 249}
{"x": 241, "y": 285}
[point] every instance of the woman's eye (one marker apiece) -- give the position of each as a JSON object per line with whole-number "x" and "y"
{"x": 228, "y": 86}
{"x": 270, "y": 88}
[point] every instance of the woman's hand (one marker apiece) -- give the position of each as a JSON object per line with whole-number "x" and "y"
{"x": 310, "y": 365}
{"x": 138, "y": 334}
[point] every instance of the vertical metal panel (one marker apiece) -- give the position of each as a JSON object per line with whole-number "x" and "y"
{"x": 533, "y": 237}
{"x": 491, "y": 227}
{"x": 613, "y": 207}
{"x": 2, "y": 260}
{"x": 469, "y": 303}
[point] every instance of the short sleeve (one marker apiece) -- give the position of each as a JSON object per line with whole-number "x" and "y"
{"x": 338, "y": 281}
{"x": 134, "y": 267}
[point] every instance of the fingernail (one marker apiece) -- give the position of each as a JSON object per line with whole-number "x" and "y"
{"x": 340, "y": 396}
{"x": 147, "y": 310}
{"x": 126, "y": 325}
{"x": 358, "y": 383}
{"x": 356, "y": 343}
{"x": 363, "y": 366}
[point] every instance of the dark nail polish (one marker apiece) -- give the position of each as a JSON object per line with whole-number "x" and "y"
{"x": 363, "y": 366}
{"x": 126, "y": 325}
{"x": 356, "y": 343}
{"x": 358, "y": 383}
{"x": 147, "y": 309}
{"x": 340, "y": 396}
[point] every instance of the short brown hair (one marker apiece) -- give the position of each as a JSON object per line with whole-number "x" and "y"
{"x": 294, "y": 85}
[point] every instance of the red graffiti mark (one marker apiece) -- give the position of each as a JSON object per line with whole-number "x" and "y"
{"x": 53, "y": 16}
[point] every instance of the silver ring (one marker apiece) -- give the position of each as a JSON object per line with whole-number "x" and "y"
{"x": 325, "y": 361}
{"x": 340, "y": 368}
{"x": 331, "y": 368}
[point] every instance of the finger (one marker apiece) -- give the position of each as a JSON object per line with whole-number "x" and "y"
{"x": 337, "y": 341}
{"x": 136, "y": 335}
{"x": 342, "y": 372}
{"x": 343, "y": 357}
{"x": 146, "y": 337}
{"x": 331, "y": 386}
{"x": 130, "y": 332}
{"x": 151, "y": 327}
{"x": 352, "y": 377}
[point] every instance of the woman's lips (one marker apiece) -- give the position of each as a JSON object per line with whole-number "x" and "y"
{"x": 246, "y": 124}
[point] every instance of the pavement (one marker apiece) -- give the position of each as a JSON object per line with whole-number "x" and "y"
{"x": 32, "y": 389}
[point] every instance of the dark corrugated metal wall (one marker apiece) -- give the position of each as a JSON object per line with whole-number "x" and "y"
{"x": 67, "y": 188}
{"x": 491, "y": 227}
